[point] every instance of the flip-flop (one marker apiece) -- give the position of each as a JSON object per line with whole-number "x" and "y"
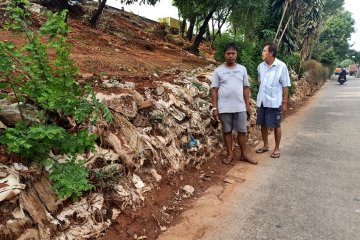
{"x": 275, "y": 155}
{"x": 262, "y": 150}
{"x": 254, "y": 162}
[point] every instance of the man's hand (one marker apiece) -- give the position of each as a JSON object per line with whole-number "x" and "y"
{"x": 284, "y": 107}
{"x": 215, "y": 114}
{"x": 248, "y": 112}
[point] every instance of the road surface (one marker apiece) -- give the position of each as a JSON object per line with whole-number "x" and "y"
{"x": 312, "y": 192}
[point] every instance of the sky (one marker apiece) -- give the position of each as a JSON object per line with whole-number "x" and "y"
{"x": 162, "y": 9}
{"x": 165, "y": 9}
{"x": 353, "y": 6}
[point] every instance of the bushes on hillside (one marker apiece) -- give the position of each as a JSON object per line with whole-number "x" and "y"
{"x": 316, "y": 73}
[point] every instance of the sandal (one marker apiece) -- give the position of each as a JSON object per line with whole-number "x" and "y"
{"x": 262, "y": 150}
{"x": 275, "y": 155}
{"x": 254, "y": 162}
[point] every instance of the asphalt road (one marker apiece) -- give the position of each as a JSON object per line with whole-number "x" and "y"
{"x": 312, "y": 192}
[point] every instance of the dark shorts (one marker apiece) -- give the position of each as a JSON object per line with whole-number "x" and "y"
{"x": 270, "y": 117}
{"x": 233, "y": 121}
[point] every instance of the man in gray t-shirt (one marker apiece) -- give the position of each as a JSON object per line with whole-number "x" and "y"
{"x": 230, "y": 94}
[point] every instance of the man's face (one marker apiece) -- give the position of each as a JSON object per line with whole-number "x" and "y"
{"x": 266, "y": 55}
{"x": 230, "y": 56}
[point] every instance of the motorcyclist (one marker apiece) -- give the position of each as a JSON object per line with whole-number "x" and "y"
{"x": 342, "y": 74}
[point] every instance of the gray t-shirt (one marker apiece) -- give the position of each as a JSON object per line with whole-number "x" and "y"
{"x": 230, "y": 82}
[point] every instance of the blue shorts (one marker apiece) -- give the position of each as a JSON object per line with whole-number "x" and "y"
{"x": 233, "y": 121}
{"x": 270, "y": 117}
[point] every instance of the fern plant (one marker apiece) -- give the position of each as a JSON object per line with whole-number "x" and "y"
{"x": 49, "y": 82}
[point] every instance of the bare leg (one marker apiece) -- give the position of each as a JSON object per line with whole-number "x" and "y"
{"x": 242, "y": 143}
{"x": 277, "y": 133}
{"x": 264, "y": 136}
{"x": 229, "y": 146}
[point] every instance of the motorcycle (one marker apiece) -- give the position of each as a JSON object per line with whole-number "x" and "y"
{"x": 341, "y": 79}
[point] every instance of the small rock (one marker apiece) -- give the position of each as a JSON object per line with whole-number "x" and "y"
{"x": 105, "y": 77}
{"x": 2, "y": 126}
{"x": 189, "y": 189}
{"x": 155, "y": 175}
{"x": 3, "y": 174}
{"x": 184, "y": 139}
{"x": 115, "y": 214}
{"x": 159, "y": 91}
{"x": 145, "y": 105}
{"x": 229, "y": 180}
{"x": 86, "y": 75}
{"x": 20, "y": 167}
{"x": 232, "y": 179}
{"x": 138, "y": 182}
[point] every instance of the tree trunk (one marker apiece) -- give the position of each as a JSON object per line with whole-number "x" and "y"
{"x": 62, "y": 4}
{"x": 96, "y": 15}
{"x": 182, "y": 27}
{"x": 283, "y": 32}
{"x": 305, "y": 49}
{"x": 221, "y": 24}
{"x": 282, "y": 18}
{"x": 213, "y": 28}
{"x": 191, "y": 28}
{"x": 195, "y": 47}
{"x": 208, "y": 34}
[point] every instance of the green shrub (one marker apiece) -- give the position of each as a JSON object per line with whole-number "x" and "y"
{"x": 69, "y": 179}
{"x": 293, "y": 62}
{"x": 317, "y": 74}
{"x": 254, "y": 87}
{"x": 328, "y": 58}
{"x": 292, "y": 88}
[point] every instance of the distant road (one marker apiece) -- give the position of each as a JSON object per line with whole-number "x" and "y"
{"x": 311, "y": 193}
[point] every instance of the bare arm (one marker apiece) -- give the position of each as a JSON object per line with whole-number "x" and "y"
{"x": 214, "y": 98}
{"x": 285, "y": 98}
{"x": 246, "y": 93}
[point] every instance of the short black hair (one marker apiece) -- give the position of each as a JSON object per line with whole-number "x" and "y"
{"x": 230, "y": 46}
{"x": 272, "y": 48}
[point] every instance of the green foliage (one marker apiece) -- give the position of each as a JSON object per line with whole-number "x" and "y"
{"x": 328, "y": 57}
{"x": 199, "y": 86}
{"x": 293, "y": 62}
{"x": 335, "y": 34}
{"x": 50, "y": 84}
{"x": 254, "y": 87}
{"x": 32, "y": 141}
{"x": 346, "y": 62}
{"x": 69, "y": 179}
{"x": 247, "y": 15}
{"x": 292, "y": 88}
{"x": 317, "y": 74}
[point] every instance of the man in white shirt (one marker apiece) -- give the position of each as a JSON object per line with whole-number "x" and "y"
{"x": 272, "y": 97}
{"x": 230, "y": 98}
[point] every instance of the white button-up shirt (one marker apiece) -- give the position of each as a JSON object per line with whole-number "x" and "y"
{"x": 272, "y": 79}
